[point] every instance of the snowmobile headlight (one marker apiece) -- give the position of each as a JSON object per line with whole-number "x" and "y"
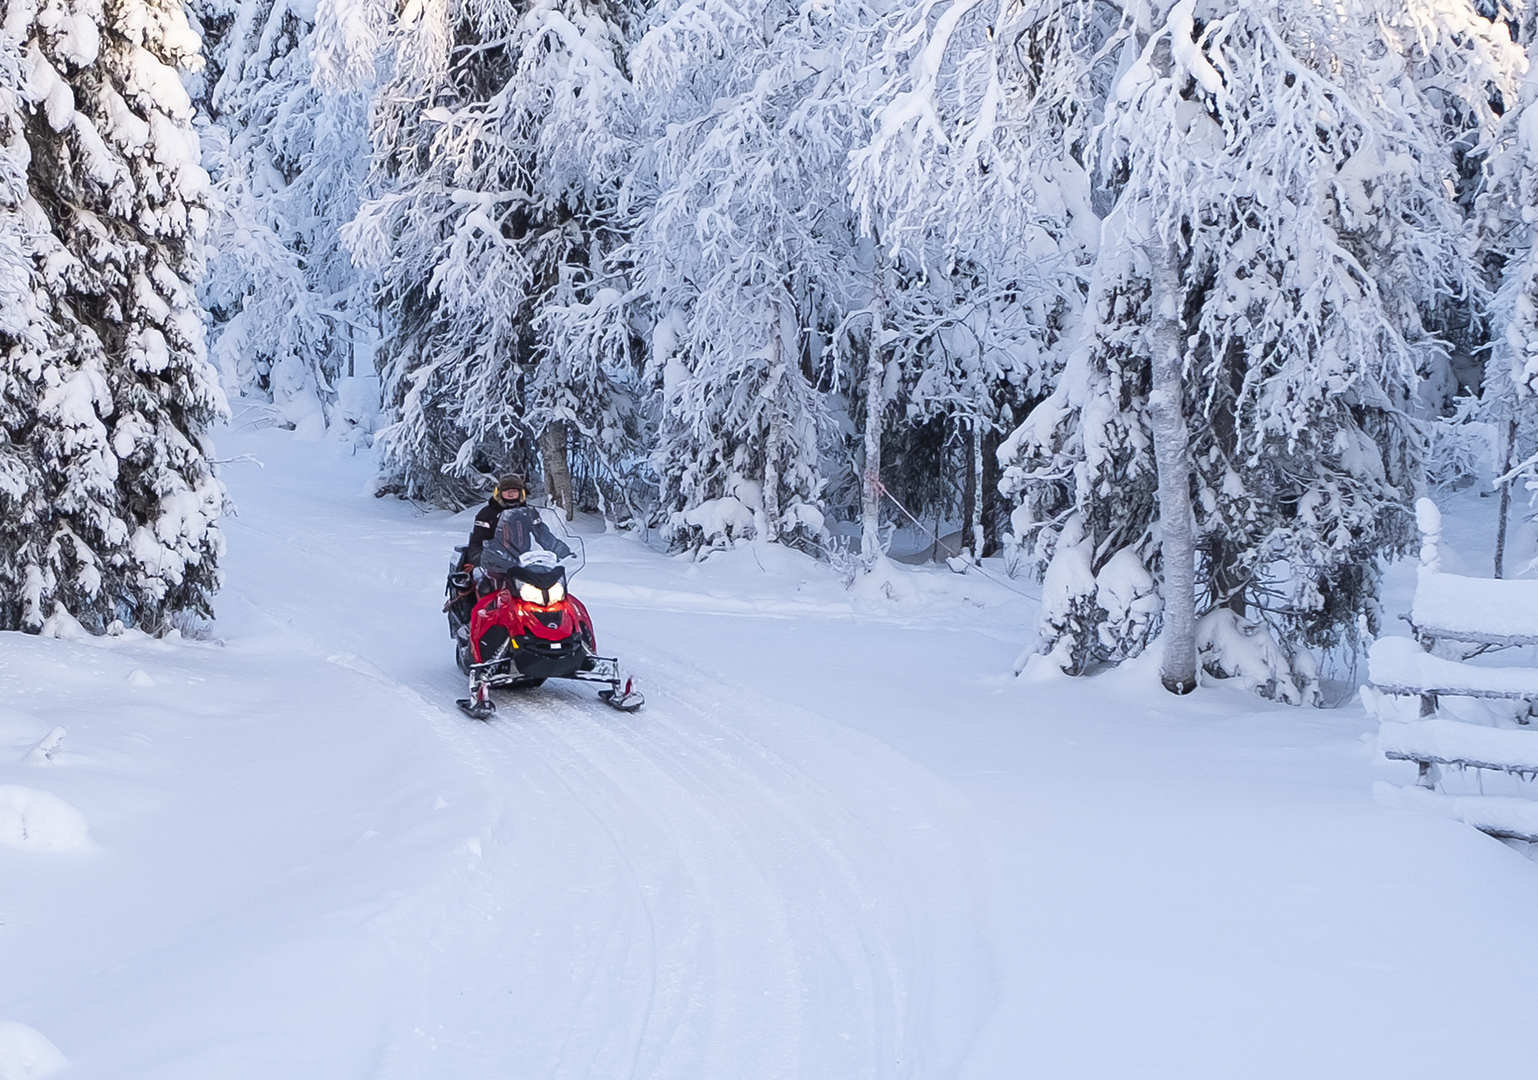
{"x": 557, "y": 593}
{"x": 530, "y": 594}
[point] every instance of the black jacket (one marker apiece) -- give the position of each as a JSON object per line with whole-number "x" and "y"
{"x": 485, "y": 526}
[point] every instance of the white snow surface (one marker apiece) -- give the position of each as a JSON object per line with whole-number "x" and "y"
{"x": 1453, "y": 602}
{"x": 25, "y": 1054}
{"x": 1450, "y": 740}
{"x": 840, "y": 840}
{"x": 1498, "y": 813}
{"x": 1399, "y": 661}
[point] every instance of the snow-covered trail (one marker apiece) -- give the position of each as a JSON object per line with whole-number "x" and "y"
{"x": 756, "y": 877}
{"x": 839, "y": 841}
{"x": 719, "y": 885}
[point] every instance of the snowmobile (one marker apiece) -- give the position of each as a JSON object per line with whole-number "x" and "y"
{"x": 524, "y": 628}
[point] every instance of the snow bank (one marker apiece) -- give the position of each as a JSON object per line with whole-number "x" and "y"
{"x": 883, "y": 581}
{"x": 1496, "y": 814}
{"x": 40, "y": 821}
{"x": 1449, "y": 740}
{"x": 25, "y": 1054}
{"x": 62, "y": 625}
{"x": 1482, "y": 606}
{"x": 1400, "y": 662}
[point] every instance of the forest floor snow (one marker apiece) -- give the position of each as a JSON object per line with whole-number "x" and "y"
{"x": 840, "y": 840}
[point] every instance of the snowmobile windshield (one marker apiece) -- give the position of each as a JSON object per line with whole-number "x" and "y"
{"x": 519, "y": 532}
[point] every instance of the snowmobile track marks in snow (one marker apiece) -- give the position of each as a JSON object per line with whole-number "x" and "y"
{"x": 736, "y": 907}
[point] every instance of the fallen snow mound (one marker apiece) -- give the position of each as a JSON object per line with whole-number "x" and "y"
{"x": 25, "y": 1054}
{"x": 1494, "y": 814}
{"x": 39, "y": 821}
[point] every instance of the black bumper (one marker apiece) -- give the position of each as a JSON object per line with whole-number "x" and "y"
{"x": 540, "y": 661}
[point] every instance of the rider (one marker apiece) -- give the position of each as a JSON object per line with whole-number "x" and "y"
{"x": 508, "y": 492}
{"x": 508, "y": 500}
{"x": 519, "y": 527}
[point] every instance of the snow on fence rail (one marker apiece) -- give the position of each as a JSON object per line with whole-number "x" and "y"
{"x": 1400, "y": 666}
{"x": 1481, "y": 611}
{"x": 1437, "y": 744}
{"x": 1503, "y": 817}
{"x": 1466, "y": 746}
{"x": 1486, "y": 611}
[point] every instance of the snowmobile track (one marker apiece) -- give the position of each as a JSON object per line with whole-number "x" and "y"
{"x": 780, "y": 926}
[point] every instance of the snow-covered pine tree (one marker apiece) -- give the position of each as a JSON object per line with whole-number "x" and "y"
{"x": 973, "y": 175}
{"x": 968, "y": 355}
{"x": 290, "y": 312}
{"x": 576, "y": 105}
{"x": 499, "y": 145}
{"x": 584, "y": 389}
{"x": 746, "y": 254}
{"x": 109, "y": 501}
{"x": 1506, "y": 409}
{"x": 1292, "y": 164}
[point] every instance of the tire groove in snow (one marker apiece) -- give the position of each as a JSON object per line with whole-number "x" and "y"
{"x": 769, "y": 864}
{"x": 716, "y": 886}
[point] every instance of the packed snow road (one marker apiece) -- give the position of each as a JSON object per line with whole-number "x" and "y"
{"x": 706, "y": 889}
{"x": 838, "y": 841}
{"x": 718, "y": 886}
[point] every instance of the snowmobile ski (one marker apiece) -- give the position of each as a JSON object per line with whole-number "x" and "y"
{"x": 627, "y": 700}
{"x": 484, "y": 709}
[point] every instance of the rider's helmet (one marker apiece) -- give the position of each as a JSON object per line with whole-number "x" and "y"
{"x": 510, "y": 490}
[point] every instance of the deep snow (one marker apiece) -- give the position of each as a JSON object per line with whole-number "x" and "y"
{"x": 841, "y": 840}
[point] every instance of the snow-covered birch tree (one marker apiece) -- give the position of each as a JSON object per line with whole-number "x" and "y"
{"x": 1296, "y": 161}
{"x": 109, "y": 501}
{"x": 875, "y": 409}
{"x": 746, "y": 254}
{"x": 291, "y": 315}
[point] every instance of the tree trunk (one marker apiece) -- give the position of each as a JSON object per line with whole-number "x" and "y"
{"x": 971, "y": 482}
{"x": 975, "y": 518}
{"x": 775, "y": 438}
{"x": 552, "y": 449}
{"x": 1171, "y": 451}
{"x": 1500, "y": 529}
{"x": 1228, "y": 585}
{"x": 875, "y": 408}
{"x": 995, "y": 511}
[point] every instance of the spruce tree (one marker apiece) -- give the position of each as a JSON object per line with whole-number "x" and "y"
{"x": 499, "y": 142}
{"x": 108, "y": 499}
{"x": 289, "y": 311}
{"x": 1506, "y": 406}
{"x": 976, "y": 176}
{"x": 747, "y": 255}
